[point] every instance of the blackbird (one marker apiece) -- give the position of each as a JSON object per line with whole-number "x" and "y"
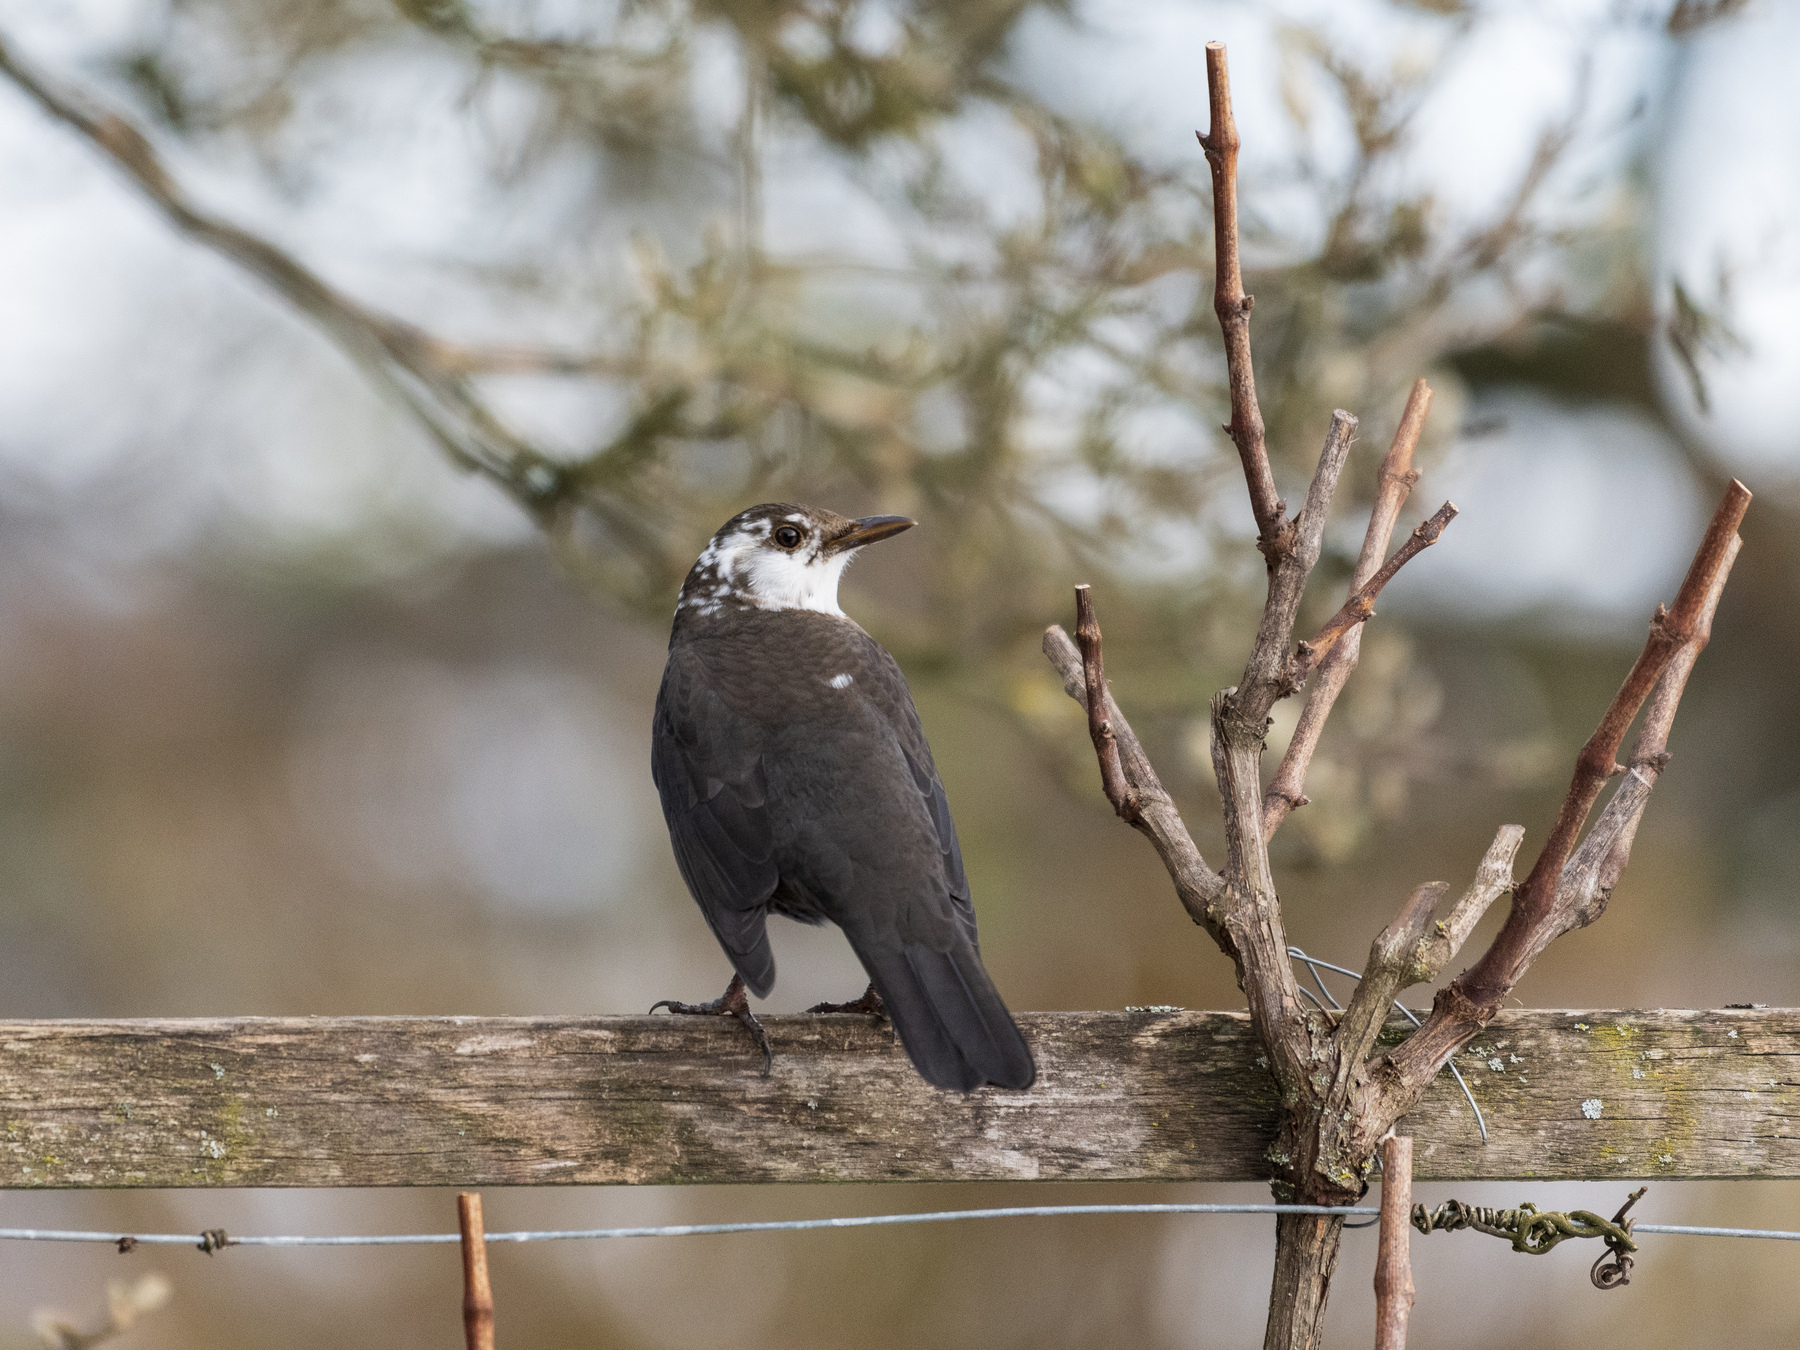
{"x": 795, "y": 778}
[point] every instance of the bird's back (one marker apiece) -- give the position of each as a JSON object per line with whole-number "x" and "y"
{"x": 795, "y": 776}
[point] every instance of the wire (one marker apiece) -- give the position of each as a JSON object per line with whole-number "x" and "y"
{"x": 679, "y": 1230}
{"x": 784, "y": 1226}
{"x": 1313, "y": 964}
{"x": 1683, "y": 1230}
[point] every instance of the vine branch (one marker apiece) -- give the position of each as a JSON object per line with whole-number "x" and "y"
{"x": 1394, "y": 482}
{"x": 1233, "y": 306}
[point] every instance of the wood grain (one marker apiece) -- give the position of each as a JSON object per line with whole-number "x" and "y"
{"x": 1169, "y": 1096}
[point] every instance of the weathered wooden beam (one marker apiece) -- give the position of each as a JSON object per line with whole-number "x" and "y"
{"x": 1165, "y": 1096}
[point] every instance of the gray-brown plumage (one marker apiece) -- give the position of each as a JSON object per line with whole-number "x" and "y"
{"x": 795, "y": 778}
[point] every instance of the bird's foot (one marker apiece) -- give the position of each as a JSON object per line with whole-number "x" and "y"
{"x": 734, "y": 1002}
{"x": 869, "y": 1004}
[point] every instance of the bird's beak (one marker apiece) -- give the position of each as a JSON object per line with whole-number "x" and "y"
{"x": 868, "y": 530}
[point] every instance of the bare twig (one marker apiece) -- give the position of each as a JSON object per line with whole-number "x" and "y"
{"x": 1233, "y": 308}
{"x": 1486, "y": 983}
{"x": 1100, "y": 730}
{"x": 1393, "y": 483}
{"x": 478, "y": 1296}
{"x": 1265, "y": 675}
{"x": 1393, "y": 1267}
{"x": 1196, "y": 885}
{"x": 1360, "y": 607}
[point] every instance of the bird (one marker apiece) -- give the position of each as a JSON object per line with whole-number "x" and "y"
{"x": 795, "y": 779}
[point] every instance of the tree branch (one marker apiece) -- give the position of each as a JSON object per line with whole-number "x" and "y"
{"x": 1394, "y": 482}
{"x": 1100, "y": 730}
{"x": 424, "y": 372}
{"x": 1394, "y": 1291}
{"x": 1500, "y": 967}
{"x": 1584, "y": 877}
{"x": 1250, "y": 906}
{"x": 1265, "y": 675}
{"x": 1233, "y": 308}
{"x": 1197, "y": 886}
{"x": 1360, "y": 607}
{"x": 1493, "y": 879}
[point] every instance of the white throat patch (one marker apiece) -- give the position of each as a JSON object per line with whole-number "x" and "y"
{"x": 800, "y": 580}
{"x": 743, "y": 567}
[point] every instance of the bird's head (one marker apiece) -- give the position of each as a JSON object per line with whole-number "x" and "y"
{"x": 780, "y": 556}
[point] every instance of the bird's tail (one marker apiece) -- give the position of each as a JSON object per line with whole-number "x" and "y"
{"x": 950, "y": 1017}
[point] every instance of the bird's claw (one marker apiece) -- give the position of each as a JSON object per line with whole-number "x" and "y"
{"x": 869, "y": 1005}
{"x": 734, "y": 1003}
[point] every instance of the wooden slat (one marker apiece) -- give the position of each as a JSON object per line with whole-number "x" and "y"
{"x": 607, "y": 1100}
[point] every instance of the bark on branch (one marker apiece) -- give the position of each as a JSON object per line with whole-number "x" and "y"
{"x": 1686, "y": 623}
{"x": 1100, "y": 728}
{"x": 1360, "y": 607}
{"x": 1393, "y": 1266}
{"x": 1287, "y": 790}
{"x": 1265, "y": 675}
{"x": 1233, "y": 308}
{"x": 1197, "y": 886}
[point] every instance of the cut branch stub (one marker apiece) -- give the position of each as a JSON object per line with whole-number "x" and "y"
{"x": 1100, "y": 728}
{"x": 1493, "y": 879}
{"x": 1394, "y": 1291}
{"x": 1274, "y": 532}
{"x": 1391, "y": 959}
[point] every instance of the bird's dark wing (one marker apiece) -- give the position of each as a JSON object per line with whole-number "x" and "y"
{"x": 890, "y": 695}
{"x": 708, "y": 765}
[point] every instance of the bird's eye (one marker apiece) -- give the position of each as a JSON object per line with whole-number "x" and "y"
{"x": 788, "y": 537}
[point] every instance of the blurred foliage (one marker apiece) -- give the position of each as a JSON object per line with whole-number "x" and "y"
{"x": 1035, "y": 370}
{"x": 1042, "y": 379}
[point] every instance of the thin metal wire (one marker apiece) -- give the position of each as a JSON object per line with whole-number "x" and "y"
{"x": 682, "y": 1230}
{"x": 787, "y": 1226}
{"x": 1687, "y": 1230}
{"x": 1307, "y": 993}
{"x": 1319, "y": 980}
{"x": 1313, "y": 963}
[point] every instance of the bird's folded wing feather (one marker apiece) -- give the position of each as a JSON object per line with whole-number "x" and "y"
{"x": 708, "y": 767}
{"x": 891, "y": 696}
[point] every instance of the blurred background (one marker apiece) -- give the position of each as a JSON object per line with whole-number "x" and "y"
{"x": 329, "y": 632}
